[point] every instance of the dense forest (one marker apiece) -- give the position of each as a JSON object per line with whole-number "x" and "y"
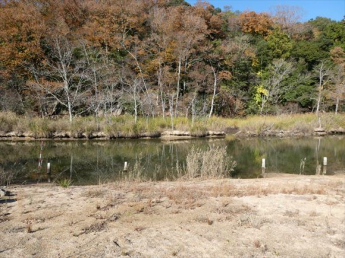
{"x": 166, "y": 58}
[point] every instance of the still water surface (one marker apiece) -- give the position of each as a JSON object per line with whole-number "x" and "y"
{"x": 92, "y": 162}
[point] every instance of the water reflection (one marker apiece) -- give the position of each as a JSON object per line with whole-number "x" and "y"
{"x": 91, "y": 162}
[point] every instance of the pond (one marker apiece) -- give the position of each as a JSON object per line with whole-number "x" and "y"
{"x": 93, "y": 162}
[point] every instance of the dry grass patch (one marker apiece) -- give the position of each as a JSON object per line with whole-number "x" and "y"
{"x": 95, "y": 193}
{"x": 198, "y": 218}
{"x": 96, "y": 227}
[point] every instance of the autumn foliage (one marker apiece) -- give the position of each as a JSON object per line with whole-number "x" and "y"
{"x": 256, "y": 23}
{"x": 162, "y": 58}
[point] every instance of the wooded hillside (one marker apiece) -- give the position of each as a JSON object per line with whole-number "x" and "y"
{"x": 165, "y": 57}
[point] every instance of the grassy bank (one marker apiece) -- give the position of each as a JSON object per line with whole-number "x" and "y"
{"x": 124, "y": 126}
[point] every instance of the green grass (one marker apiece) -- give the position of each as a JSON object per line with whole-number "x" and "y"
{"x": 65, "y": 183}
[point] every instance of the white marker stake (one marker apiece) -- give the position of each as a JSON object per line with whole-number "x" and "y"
{"x": 40, "y": 161}
{"x": 48, "y": 168}
{"x": 125, "y": 167}
{"x": 324, "y": 166}
{"x": 263, "y": 167}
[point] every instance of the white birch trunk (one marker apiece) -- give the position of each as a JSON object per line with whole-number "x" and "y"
{"x": 214, "y": 91}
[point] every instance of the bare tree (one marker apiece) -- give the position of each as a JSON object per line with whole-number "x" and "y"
{"x": 338, "y": 57}
{"x": 323, "y": 74}
{"x": 339, "y": 81}
{"x": 278, "y": 72}
{"x": 214, "y": 90}
{"x": 287, "y": 16}
{"x": 95, "y": 66}
{"x": 132, "y": 85}
{"x": 62, "y": 77}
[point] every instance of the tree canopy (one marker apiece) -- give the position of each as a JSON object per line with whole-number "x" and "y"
{"x": 165, "y": 57}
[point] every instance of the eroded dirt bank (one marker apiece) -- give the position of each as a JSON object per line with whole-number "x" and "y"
{"x": 291, "y": 216}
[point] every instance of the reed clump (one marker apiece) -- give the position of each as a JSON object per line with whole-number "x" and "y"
{"x": 211, "y": 163}
{"x": 135, "y": 173}
{"x": 6, "y": 176}
{"x": 65, "y": 183}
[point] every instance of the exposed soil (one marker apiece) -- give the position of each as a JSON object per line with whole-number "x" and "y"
{"x": 289, "y": 216}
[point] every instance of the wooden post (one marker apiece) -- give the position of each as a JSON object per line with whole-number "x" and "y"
{"x": 263, "y": 167}
{"x": 125, "y": 167}
{"x": 324, "y": 166}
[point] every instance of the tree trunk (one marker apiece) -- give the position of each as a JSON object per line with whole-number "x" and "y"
{"x": 96, "y": 90}
{"x": 262, "y": 106}
{"x": 163, "y": 104}
{"x": 320, "y": 90}
{"x": 135, "y": 104}
{"x": 144, "y": 82}
{"x": 214, "y": 91}
{"x": 318, "y": 101}
{"x": 171, "y": 107}
{"x": 70, "y": 112}
{"x": 178, "y": 86}
{"x": 161, "y": 90}
{"x": 193, "y": 109}
{"x": 337, "y": 105}
{"x": 69, "y": 104}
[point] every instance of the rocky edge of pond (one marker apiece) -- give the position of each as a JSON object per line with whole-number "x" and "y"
{"x": 288, "y": 133}
{"x": 174, "y": 134}
{"x": 102, "y": 135}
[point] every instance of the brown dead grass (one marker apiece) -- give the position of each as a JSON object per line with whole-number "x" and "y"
{"x": 212, "y": 218}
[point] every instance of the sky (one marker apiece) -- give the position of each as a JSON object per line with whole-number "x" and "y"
{"x": 334, "y": 9}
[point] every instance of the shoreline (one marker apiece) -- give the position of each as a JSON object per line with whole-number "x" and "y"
{"x": 124, "y": 127}
{"x": 103, "y": 136}
{"x": 210, "y": 218}
{"x": 174, "y": 135}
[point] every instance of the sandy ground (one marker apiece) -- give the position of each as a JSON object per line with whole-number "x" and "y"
{"x": 291, "y": 216}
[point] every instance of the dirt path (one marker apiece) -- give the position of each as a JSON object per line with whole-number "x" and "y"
{"x": 292, "y": 216}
